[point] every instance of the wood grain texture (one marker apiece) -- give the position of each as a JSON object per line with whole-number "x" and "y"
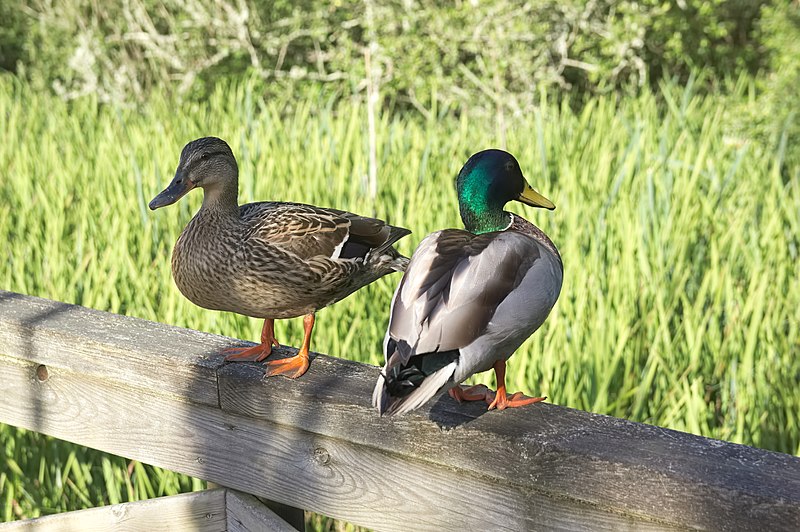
{"x": 384, "y": 491}
{"x": 247, "y": 514}
{"x": 98, "y": 343}
{"x": 609, "y": 463}
{"x": 202, "y": 511}
{"x": 315, "y": 443}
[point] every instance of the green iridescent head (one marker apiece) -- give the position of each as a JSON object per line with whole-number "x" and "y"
{"x": 489, "y": 180}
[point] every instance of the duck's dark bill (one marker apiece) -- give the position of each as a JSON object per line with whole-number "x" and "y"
{"x": 172, "y": 193}
{"x": 534, "y": 199}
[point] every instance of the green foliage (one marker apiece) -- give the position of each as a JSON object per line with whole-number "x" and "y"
{"x": 770, "y": 115}
{"x": 715, "y": 34}
{"x": 489, "y": 56}
{"x": 40, "y": 475}
{"x": 680, "y": 306}
{"x": 677, "y": 212}
{"x": 13, "y": 33}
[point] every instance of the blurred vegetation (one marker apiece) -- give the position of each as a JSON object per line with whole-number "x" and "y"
{"x": 666, "y": 131}
{"x": 487, "y": 58}
{"x": 681, "y": 245}
{"x": 426, "y": 53}
{"x": 40, "y": 474}
{"x": 770, "y": 115}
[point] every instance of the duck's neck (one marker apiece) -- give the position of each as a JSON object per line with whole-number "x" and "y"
{"x": 481, "y": 210}
{"x": 221, "y": 199}
{"x": 481, "y": 218}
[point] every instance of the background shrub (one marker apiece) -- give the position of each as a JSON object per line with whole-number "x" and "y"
{"x": 423, "y": 54}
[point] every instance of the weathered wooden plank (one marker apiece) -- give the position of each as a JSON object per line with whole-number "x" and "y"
{"x": 202, "y": 511}
{"x": 331, "y": 476}
{"x": 247, "y": 514}
{"x": 153, "y": 355}
{"x": 544, "y": 465}
{"x": 607, "y": 462}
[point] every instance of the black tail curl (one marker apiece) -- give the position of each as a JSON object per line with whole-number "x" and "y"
{"x": 402, "y": 379}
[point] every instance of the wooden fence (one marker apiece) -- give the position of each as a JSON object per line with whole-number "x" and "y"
{"x": 164, "y": 396}
{"x": 203, "y": 511}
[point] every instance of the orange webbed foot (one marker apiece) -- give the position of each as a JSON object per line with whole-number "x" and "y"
{"x": 296, "y": 366}
{"x": 473, "y": 393}
{"x": 257, "y": 353}
{"x": 501, "y": 401}
{"x": 292, "y": 367}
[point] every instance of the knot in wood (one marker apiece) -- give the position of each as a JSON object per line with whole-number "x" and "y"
{"x": 321, "y": 456}
{"x": 41, "y": 373}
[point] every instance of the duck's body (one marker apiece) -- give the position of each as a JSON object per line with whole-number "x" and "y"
{"x": 281, "y": 260}
{"x": 467, "y": 301}
{"x": 480, "y": 294}
{"x": 269, "y": 260}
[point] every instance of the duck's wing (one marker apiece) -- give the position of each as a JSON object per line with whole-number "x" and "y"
{"x": 453, "y": 286}
{"x": 449, "y": 295}
{"x": 309, "y": 232}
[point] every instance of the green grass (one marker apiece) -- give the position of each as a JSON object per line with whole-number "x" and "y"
{"x": 680, "y": 305}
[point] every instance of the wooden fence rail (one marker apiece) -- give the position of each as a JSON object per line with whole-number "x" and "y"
{"x": 203, "y": 511}
{"x": 164, "y": 396}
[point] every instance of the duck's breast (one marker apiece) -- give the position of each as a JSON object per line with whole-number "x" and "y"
{"x": 517, "y": 317}
{"x": 201, "y": 267}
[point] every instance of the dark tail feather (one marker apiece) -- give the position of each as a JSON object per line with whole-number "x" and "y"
{"x": 395, "y": 234}
{"x": 397, "y": 262}
{"x": 405, "y": 387}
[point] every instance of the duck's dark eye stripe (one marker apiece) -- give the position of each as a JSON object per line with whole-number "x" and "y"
{"x": 206, "y": 155}
{"x": 209, "y": 154}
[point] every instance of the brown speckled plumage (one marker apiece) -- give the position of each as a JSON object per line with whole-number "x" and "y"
{"x": 268, "y": 259}
{"x": 274, "y": 259}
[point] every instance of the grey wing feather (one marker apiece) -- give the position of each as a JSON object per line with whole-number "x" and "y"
{"x": 453, "y": 285}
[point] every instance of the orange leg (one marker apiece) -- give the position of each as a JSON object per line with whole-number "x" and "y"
{"x": 259, "y": 352}
{"x": 501, "y": 400}
{"x": 473, "y": 393}
{"x": 295, "y": 366}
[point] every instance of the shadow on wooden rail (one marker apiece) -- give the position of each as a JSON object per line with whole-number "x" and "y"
{"x": 164, "y": 396}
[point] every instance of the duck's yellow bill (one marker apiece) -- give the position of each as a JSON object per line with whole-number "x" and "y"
{"x": 534, "y": 199}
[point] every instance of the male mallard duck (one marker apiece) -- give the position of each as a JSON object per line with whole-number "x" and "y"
{"x": 470, "y": 298}
{"x": 269, "y": 260}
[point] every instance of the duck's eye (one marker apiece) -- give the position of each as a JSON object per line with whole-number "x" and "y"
{"x": 509, "y": 166}
{"x": 204, "y": 156}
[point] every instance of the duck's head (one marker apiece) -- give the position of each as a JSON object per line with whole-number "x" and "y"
{"x": 489, "y": 180}
{"x": 207, "y": 163}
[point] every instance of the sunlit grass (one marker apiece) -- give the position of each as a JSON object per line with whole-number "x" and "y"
{"x": 680, "y": 305}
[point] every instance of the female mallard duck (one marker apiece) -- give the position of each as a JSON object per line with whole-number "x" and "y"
{"x": 470, "y": 298}
{"x": 269, "y": 260}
